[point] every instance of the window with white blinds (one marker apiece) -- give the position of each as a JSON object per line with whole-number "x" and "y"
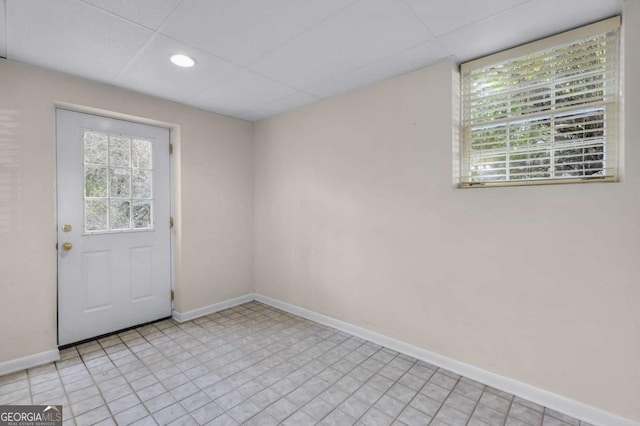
{"x": 546, "y": 112}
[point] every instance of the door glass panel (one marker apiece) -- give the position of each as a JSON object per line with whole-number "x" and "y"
{"x": 95, "y": 215}
{"x": 95, "y": 181}
{"x": 95, "y": 148}
{"x": 142, "y": 214}
{"x": 119, "y": 151}
{"x": 120, "y": 217}
{"x": 141, "y": 154}
{"x": 118, "y": 183}
{"x": 141, "y": 182}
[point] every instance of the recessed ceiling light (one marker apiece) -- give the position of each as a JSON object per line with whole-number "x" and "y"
{"x": 183, "y": 60}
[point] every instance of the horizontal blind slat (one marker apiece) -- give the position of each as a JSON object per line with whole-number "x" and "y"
{"x": 478, "y": 96}
{"x": 494, "y": 79}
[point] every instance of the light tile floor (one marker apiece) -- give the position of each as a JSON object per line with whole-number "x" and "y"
{"x": 256, "y": 365}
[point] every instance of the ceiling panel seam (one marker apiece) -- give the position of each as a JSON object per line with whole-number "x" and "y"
{"x": 290, "y": 39}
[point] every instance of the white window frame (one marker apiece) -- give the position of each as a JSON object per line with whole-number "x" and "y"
{"x": 473, "y": 153}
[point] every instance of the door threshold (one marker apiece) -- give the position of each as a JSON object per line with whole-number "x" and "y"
{"x": 91, "y": 339}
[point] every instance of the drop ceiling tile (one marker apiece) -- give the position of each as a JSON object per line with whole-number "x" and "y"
{"x": 363, "y": 33}
{"x": 444, "y": 16}
{"x": 408, "y": 60}
{"x": 527, "y": 22}
{"x": 151, "y": 71}
{"x": 71, "y": 36}
{"x": 296, "y": 100}
{"x": 150, "y": 13}
{"x": 3, "y": 30}
{"x": 241, "y": 31}
{"x": 240, "y": 92}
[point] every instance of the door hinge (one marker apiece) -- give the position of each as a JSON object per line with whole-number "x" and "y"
{"x": 171, "y": 222}
{"x": 170, "y": 148}
{"x": 173, "y": 296}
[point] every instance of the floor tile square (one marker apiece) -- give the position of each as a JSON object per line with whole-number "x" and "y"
{"x": 299, "y": 418}
{"x": 318, "y": 408}
{"x": 281, "y": 409}
{"x": 265, "y": 397}
{"x": 195, "y": 400}
{"x": 299, "y": 397}
{"x": 461, "y": 403}
{"x": 261, "y": 419}
{"x": 390, "y": 405}
{"x": 376, "y": 417}
{"x": 337, "y": 418}
{"x": 185, "y": 390}
{"x": 207, "y": 412}
{"x": 159, "y": 402}
{"x": 151, "y": 391}
{"x": 489, "y": 415}
{"x": 87, "y": 404}
{"x": 354, "y": 407}
{"x": 230, "y": 400}
{"x": 131, "y": 415}
{"x": 496, "y": 402}
{"x": 525, "y": 414}
{"x": 223, "y": 420}
{"x": 334, "y": 395}
{"x": 443, "y": 380}
{"x": 451, "y": 416}
{"x": 93, "y": 416}
{"x": 425, "y": 404}
{"x": 412, "y": 416}
{"x": 468, "y": 390}
{"x": 435, "y": 392}
{"x": 123, "y": 403}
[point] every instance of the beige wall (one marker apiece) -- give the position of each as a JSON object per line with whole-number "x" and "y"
{"x": 213, "y": 177}
{"x": 356, "y": 218}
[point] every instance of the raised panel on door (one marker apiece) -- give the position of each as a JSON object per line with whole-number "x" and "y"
{"x": 96, "y": 279}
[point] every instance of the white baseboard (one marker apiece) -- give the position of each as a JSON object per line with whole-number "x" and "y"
{"x": 206, "y": 310}
{"x": 29, "y": 361}
{"x": 548, "y": 399}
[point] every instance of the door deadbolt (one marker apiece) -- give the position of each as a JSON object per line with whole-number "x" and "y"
{"x": 66, "y": 228}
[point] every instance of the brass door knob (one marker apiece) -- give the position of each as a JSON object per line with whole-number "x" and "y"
{"x": 67, "y": 246}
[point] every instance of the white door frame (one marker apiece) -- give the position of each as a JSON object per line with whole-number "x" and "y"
{"x": 174, "y": 177}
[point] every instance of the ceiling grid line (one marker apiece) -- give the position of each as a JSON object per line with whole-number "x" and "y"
{"x": 427, "y": 28}
{"x": 115, "y": 15}
{"x": 488, "y": 17}
{"x": 135, "y": 56}
{"x": 305, "y": 31}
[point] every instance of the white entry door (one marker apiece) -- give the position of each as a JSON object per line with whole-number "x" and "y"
{"x": 114, "y": 240}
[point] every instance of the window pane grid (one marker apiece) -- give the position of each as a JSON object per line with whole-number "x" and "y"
{"x": 117, "y": 183}
{"x": 547, "y": 115}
